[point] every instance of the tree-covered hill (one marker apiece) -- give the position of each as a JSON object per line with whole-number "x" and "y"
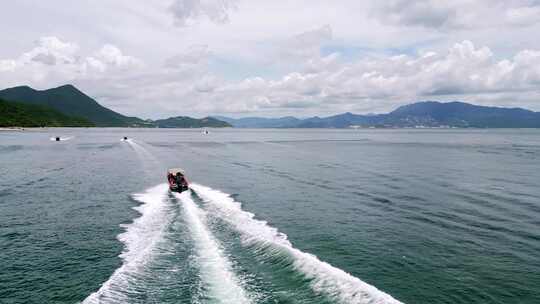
{"x": 15, "y": 114}
{"x": 188, "y": 122}
{"x": 71, "y": 101}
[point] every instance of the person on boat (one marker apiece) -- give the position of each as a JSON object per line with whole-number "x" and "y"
{"x": 172, "y": 180}
{"x": 177, "y": 180}
{"x": 181, "y": 180}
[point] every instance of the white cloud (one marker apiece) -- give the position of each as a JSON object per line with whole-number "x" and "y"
{"x": 276, "y": 57}
{"x": 333, "y": 85}
{"x": 92, "y": 64}
{"x": 307, "y": 44}
{"x": 457, "y": 14}
{"x": 51, "y": 51}
{"x": 463, "y": 70}
{"x": 207, "y": 84}
{"x": 188, "y": 11}
{"x": 428, "y": 13}
{"x": 313, "y": 38}
{"x": 55, "y": 62}
{"x": 7, "y": 65}
{"x": 113, "y": 56}
{"x": 193, "y": 55}
{"x": 526, "y": 15}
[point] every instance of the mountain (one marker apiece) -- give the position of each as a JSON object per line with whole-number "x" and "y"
{"x": 459, "y": 114}
{"x": 75, "y": 106}
{"x": 188, "y": 122}
{"x": 420, "y": 114}
{"x": 258, "y": 122}
{"x": 70, "y": 101}
{"x": 344, "y": 120}
{"x": 14, "y": 114}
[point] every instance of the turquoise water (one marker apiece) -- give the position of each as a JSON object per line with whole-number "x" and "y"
{"x": 273, "y": 216}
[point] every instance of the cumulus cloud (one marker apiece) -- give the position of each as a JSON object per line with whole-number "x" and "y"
{"x": 54, "y": 61}
{"x": 463, "y": 70}
{"x": 308, "y": 43}
{"x": 207, "y": 84}
{"x": 272, "y": 58}
{"x": 303, "y": 51}
{"x": 112, "y": 55}
{"x": 50, "y": 51}
{"x": 368, "y": 83}
{"x": 187, "y": 11}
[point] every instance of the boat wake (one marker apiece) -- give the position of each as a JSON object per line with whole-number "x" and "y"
{"x": 217, "y": 279}
{"x": 140, "y": 240}
{"x": 149, "y": 161}
{"x": 325, "y": 279}
{"x": 219, "y": 283}
{"x": 141, "y": 151}
{"x": 215, "y": 268}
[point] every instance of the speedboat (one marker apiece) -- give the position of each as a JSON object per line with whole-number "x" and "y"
{"x": 177, "y": 180}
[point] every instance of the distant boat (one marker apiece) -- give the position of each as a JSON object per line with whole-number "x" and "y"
{"x": 206, "y": 132}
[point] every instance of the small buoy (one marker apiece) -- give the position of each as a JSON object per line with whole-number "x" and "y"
{"x": 57, "y": 138}
{"x": 125, "y": 137}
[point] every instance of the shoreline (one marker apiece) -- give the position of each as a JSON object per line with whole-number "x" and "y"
{"x": 12, "y": 129}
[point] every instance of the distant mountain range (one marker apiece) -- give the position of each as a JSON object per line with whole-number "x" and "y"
{"x": 261, "y": 122}
{"x": 68, "y": 106}
{"x": 429, "y": 114}
{"x": 188, "y": 122}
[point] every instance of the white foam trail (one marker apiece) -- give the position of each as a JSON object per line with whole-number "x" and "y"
{"x": 140, "y": 240}
{"x": 150, "y": 162}
{"x": 216, "y": 269}
{"x": 139, "y": 149}
{"x": 326, "y": 279}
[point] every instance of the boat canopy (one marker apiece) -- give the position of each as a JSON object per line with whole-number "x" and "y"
{"x": 173, "y": 171}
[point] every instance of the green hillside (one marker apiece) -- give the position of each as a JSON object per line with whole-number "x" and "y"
{"x": 188, "y": 122}
{"x": 70, "y": 101}
{"x": 15, "y": 114}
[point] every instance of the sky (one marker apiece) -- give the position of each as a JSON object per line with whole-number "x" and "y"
{"x": 162, "y": 58}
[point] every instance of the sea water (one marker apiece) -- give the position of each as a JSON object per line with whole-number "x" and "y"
{"x": 273, "y": 216}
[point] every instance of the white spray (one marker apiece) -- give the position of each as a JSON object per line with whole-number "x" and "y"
{"x": 326, "y": 279}
{"x": 216, "y": 269}
{"x": 140, "y": 240}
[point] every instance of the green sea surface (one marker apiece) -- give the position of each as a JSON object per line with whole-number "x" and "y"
{"x": 273, "y": 216}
